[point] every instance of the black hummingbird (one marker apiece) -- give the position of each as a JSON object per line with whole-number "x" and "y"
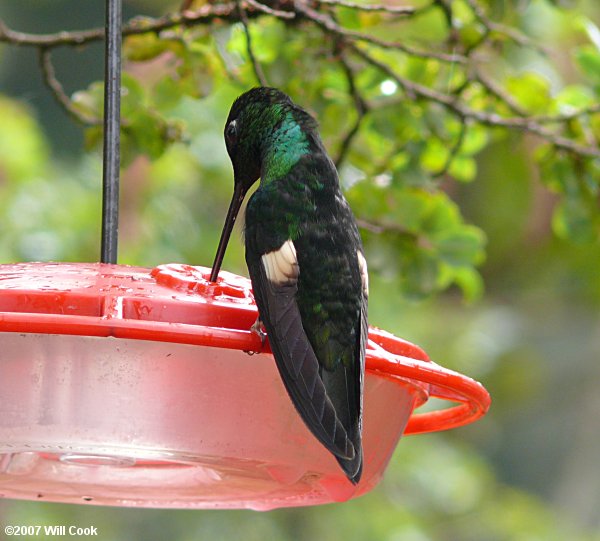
{"x": 306, "y": 264}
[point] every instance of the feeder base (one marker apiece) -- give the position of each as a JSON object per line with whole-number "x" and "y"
{"x": 130, "y": 386}
{"x": 149, "y": 424}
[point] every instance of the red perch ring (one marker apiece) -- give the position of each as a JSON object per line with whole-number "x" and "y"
{"x": 128, "y": 386}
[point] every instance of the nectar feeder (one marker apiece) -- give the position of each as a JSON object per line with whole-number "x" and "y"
{"x": 135, "y": 387}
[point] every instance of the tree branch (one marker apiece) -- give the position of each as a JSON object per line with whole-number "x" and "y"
{"x": 566, "y": 117}
{"x": 58, "y": 92}
{"x": 258, "y": 71}
{"x": 361, "y": 110}
{"x": 186, "y": 4}
{"x": 396, "y": 10}
{"x": 379, "y": 228}
{"x": 512, "y": 33}
{"x": 496, "y": 90}
{"x": 453, "y": 151}
{"x": 270, "y": 11}
{"x": 328, "y": 24}
{"x": 453, "y": 104}
{"x": 138, "y": 25}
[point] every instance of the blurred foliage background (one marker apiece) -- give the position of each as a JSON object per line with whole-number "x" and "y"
{"x": 468, "y": 147}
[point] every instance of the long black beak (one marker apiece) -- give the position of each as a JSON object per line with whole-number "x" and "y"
{"x": 234, "y": 208}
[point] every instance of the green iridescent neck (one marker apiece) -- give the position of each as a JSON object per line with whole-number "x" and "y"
{"x": 283, "y": 148}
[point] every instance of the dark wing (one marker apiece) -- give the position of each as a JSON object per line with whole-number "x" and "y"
{"x": 345, "y": 384}
{"x": 344, "y": 387}
{"x": 297, "y": 363}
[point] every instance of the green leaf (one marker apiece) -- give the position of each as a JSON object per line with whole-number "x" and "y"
{"x": 470, "y": 34}
{"x": 267, "y": 39}
{"x": 167, "y": 93}
{"x": 419, "y": 274}
{"x": 349, "y": 18}
{"x": 573, "y": 219}
{"x": 463, "y": 168}
{"x": 475, "y": 139}
{"x": 92, "y": 138}
{"x": 434, "y": 155}
{"x": 410, "y": 208}
{"x": 90, "y": 101}
{"x": 144, "y": 47}
{"x": 470, "y": 283}
{"x": 588, "y": 58}
{"x": 133, "y": 95}
{"x": 573, "y": 98}
{"x": 443, "y": 214}
{"x": 461, "y": 247}
{"x": 595, "y": 125}
{"x": 531, "y": 91}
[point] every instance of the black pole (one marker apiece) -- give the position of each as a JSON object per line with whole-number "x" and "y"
{"x": 112, "y": 120}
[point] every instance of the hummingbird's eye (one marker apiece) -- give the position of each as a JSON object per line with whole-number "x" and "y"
{"x": 231, "y": 132}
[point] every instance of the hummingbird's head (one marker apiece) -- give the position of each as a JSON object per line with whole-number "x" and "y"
{"x": 252, "y": 128}
{"x": 265, "y": 134}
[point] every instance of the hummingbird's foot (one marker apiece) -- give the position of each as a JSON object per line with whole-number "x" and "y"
{"x": 258, "y": 329}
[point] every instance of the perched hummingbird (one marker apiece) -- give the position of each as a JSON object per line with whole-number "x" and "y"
{"x": 306, "y": 264}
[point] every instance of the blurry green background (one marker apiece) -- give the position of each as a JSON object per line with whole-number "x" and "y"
{"x": 528, "y": 471}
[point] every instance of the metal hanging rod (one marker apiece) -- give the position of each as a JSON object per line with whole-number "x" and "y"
{"x": 112, "y": 121}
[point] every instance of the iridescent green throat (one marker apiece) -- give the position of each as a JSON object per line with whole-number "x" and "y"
{"x": 285, "y": 146}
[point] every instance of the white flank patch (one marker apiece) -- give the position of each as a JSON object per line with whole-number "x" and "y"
{"x": 281, "y": 265}
{"x": 364, "y": 275}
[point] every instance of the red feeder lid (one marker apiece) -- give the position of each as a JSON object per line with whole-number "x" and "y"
{"x": 128, "y": 386}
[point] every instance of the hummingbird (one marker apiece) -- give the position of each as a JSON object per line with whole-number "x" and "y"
{"x": 306, "y": 264}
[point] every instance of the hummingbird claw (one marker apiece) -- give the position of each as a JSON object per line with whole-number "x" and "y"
{"x": 258, "y": 329}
